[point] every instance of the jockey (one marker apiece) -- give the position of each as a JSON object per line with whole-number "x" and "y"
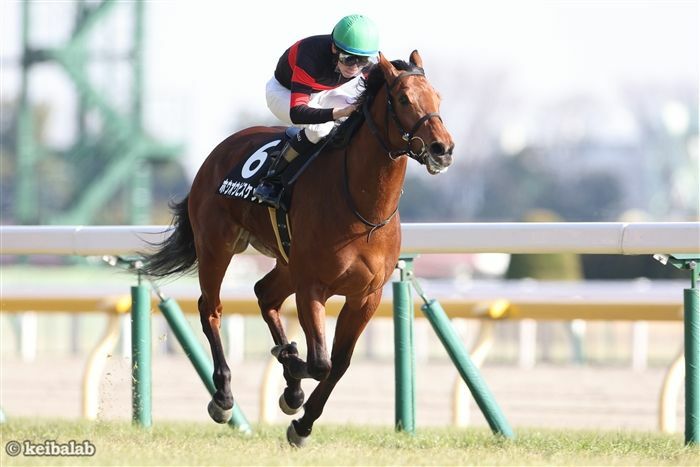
{"x": 315, "y": 84}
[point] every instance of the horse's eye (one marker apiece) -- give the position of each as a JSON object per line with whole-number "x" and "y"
{"x": 403, "y": 99}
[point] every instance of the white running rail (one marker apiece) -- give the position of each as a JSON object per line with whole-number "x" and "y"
{"x": 499, "y": 237}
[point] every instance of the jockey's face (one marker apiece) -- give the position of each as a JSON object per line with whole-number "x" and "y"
{"x": 349, "y": 65}
{"x": 349, "y": 71}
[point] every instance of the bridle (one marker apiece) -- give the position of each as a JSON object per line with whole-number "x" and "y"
{"x": 348, "y": 196}
{"x": 407, "y": 136}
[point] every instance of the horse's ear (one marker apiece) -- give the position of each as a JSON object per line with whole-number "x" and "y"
{"x": 415, "y": 59}
{"x": 389, "y": 70}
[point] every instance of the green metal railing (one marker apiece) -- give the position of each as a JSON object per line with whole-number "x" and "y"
{"x": 691, "y": 336}
{"x": 176, "y": 319}
{"x": 111, "y": 156}
{"x": 405, "y": 419}
{"x": 141, "y": 344}
{"x": 405, "y": 357}
{"x": 141, "y": 354}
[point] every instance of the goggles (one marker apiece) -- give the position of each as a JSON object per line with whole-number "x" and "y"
{"x": 352, "y": 60}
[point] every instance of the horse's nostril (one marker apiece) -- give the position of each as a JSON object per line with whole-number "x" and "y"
{"x": 437, "y": 148}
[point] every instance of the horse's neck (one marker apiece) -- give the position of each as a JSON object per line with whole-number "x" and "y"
{"x": 375, "y": 180}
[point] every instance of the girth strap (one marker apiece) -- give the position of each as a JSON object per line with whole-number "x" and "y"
{"x": 282, "y": 230}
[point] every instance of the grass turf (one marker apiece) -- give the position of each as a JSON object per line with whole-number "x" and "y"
{"x": 180, "y": 443}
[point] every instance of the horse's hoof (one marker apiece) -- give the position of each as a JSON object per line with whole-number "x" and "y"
{"x": 286, "y": 408}
{"x": 218, "y": 414}
{"x": 294, "y": 439}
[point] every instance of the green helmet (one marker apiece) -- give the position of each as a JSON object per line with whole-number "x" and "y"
{"x": 357, "y": 35}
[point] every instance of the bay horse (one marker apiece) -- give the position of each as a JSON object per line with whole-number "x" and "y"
{"x": 347, "y": 233}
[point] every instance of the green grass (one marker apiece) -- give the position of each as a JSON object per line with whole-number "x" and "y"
{"x": 118, "y": 443}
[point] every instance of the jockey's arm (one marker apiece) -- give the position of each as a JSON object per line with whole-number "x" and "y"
{"x": 301, "y": 114}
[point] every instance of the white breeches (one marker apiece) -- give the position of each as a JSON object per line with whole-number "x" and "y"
{"x": 278, "y": 98}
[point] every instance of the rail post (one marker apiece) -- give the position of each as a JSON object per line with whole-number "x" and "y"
{"x": 141, "y": 353}
{"x": 183, "y": 332}
{"x": 404, "y": 357}
{"x": 691, "y": 341}
{"x": 691, "y": 318}
{"x": 468, "y": 371}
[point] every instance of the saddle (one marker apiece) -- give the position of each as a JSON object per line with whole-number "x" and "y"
{"x": 245, "y": 176}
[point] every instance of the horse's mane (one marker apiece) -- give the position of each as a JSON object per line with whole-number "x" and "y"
{"x": 370, "y": 87}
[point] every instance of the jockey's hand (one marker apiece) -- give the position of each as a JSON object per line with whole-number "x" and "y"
{"x": 341, "y": 112}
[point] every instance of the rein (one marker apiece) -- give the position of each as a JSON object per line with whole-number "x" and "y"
{"x": 348, "y": 196}
{"x": 407, "y": 136}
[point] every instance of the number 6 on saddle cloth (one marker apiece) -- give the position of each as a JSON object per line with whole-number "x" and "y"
{"x": 244, "y": 177}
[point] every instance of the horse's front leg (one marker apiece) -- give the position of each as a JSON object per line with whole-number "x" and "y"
{"x": 271, "y": 291}
{"x": 311, "y": 309}
{"x": 352, "y": 320}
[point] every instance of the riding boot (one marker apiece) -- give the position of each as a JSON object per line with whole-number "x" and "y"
{"x": 269, "y": 190}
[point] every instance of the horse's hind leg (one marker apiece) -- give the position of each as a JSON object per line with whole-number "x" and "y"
{"x": 352, "y": 320}
{"x": 271, "y": 291}
{"x": 214, "y": 258}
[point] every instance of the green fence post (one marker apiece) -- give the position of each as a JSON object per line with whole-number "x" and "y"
{"x": 404, "y": 357}
{"x": 691, "y": 316}
{"x": 141, "y": 354}
{"x": 691, "y": 336}
{"x": 194, "y": 351}
{"x": 470, "y": 374}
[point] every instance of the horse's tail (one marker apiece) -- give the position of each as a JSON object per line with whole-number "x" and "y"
{"x": 175, "y": 255}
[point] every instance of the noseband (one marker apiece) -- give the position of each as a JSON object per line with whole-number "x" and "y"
{"x": 407, "y": 136}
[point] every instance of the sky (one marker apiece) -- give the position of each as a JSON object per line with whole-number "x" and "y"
{"x": 208, "y": 61}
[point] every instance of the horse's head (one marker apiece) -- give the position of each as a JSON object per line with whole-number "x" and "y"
{"x": 413, "y": 105}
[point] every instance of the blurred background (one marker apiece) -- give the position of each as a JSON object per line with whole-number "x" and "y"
{"x": 560, "y": 111}
{"x": 587, "y": 109}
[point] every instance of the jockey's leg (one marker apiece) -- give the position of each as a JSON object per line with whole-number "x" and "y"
{"x": 278, "y": 100}
{"x": 269, "y": 190}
